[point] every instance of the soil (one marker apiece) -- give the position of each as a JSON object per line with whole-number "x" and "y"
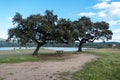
{"x": 45, "y": 70}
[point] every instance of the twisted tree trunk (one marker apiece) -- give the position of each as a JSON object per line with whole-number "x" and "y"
{"x": 81, "y": 44}
{"x": 35, "y": 53}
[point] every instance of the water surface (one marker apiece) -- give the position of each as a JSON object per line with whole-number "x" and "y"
{"x": 50, "y": 48}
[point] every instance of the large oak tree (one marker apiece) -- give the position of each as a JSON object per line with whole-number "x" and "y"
{"x": 87, "y": 31}
{"x": 35, "y": 28}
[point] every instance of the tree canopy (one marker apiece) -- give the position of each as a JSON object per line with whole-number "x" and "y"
{"x": 89, "y": 31}
{"x": 41, "y": 29}
{"x": 35, "y": 28}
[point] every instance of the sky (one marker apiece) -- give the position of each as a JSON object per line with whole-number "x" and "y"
{"x": 97, "y": 10}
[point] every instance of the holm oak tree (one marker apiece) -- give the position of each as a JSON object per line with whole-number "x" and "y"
{"x": 35, "y": 28}
{"x": 87, "y": 31}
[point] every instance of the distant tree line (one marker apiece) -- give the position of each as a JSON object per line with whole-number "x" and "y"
{"x": 86, "y": 45}
{"x": 6, "y": 44}
{"x": 48, "y": 28}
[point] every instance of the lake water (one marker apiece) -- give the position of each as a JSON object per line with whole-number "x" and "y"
{"x": 62, "y": 48}
{"x": 13, "y": 48}
{"x": 50, "y": 48}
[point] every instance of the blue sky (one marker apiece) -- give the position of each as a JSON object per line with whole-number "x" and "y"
{"x": 97, "y": 10}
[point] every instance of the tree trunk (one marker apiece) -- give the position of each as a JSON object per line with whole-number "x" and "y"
{"x": 35, "y": 53}
{"x": 80, "y": 45}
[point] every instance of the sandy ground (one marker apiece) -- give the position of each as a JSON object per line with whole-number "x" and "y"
{"x": 44, "y": 70}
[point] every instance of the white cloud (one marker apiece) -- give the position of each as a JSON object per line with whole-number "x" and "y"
{"x": 105, "y": 11}
{"x": 108, "y": 11}
{"x": 104, "y": 0}
{"x": 116, "y": 37}
{"x": 102, "y": 14}
{"x": 117, "y": 31}
{"x": 89, "y": 14}
{"x": 113, "y": 9}
{"x": 115, "y": 12}
{"x": 115, "y": 5}
{"x": 10, "y": 18}
{"x": 113, "y": 22}
{"x": 101, "y": 5}
{"x": 4, "y": 36}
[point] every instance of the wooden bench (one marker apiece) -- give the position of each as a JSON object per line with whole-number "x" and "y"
{"x": 60, "y": 51}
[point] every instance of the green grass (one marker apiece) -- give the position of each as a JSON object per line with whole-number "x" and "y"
{"x": 23, "y": 55}
{"x": 1, "y": 78}
{"x": 15, "y": 56}
{"x": 106, "y": 68}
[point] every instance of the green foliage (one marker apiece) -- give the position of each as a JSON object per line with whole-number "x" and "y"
{"x": 47, "y": 28}
{"x": 64, "y": 30}
{"x": 36, "y": 28}
{"x": 83, "y": 25}
{"x": 89, "y": 31}
{"x": 101, "y": 30}
{"x": 106, "y": 68}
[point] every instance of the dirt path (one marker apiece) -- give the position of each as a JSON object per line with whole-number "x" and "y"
{"x": 44, "y": 70}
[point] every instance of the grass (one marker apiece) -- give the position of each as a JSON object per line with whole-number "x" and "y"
{"x": 65, "y": 76}
{"x": 23, "y": 55}
{"x": 106, "y": 68}
{"x": 15, "y": 56}
{"x": 1, "y": 78}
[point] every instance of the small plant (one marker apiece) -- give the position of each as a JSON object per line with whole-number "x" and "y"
{"x": 50, "y": 76}
{"x": 10, "y": 73}
{"x": 1, "y": 78}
